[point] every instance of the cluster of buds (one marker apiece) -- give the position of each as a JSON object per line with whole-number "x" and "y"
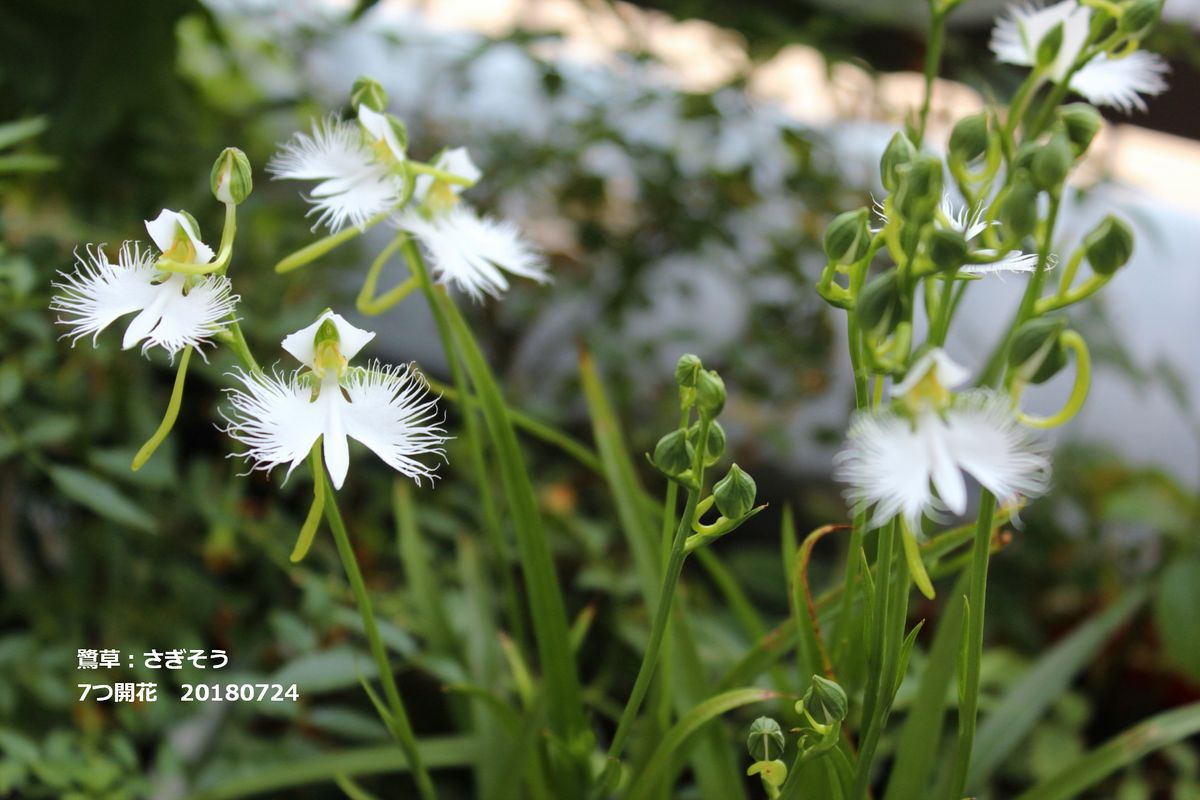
{"x": 822, "y": 709}
{"x": 683, "y": 454}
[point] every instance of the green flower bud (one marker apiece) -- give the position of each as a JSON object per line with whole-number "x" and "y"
{"x": 848, "y": 237}
{"x": 1109, "y": 245}
{"x": 766, "y": 740}
{"x": 1139, "y": 17}
{"x": 710, "y": 393}
{"x": 879, "y": 305}
{"x": 899, "y": 151}
{"x": 1019, "y": 211}
{"x": 1048, "y": 47}
{"x": 825, "y": 700}
{"x": 673, "y": 454}
{"x": 1052, "y": 161}
{"x": 969, "y": 139}
{"x": 1037, "y": 354}
{"x": 1082, "y": 123}
{"x": 368, "y": 92}
{"x": 920, "y": 187}
{"x": 735, "y": 494}
{"x": 947, "y": 249}
{"x": 686, "y": 369}
{"x": 230, "y": 179}
{"x": 771, "y": 772}
{"x": 716, "y": 441}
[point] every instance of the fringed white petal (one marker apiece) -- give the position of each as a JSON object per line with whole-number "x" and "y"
{"x": 470, "y": 251}
{"x": 1020, "y": 30}
{"x": 98, "y": 292}
{"x": 948, "y": 372}
{"x": 392, "y": 412}
{"x": 274, "y": 418}
{"x": 194, "y": 316}
{"x": 351, "y": 339}
{"x": 1121, "y": 82}
{"x": 986, "y": 439}
{"x": 887, "y": 466}
{"x": 1016, "y": 261}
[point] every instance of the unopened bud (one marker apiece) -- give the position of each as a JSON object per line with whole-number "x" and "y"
{"x": 848, "y": 237}
{"x": 879, "y": 305}
{"x": 920, "y": 187}
{"x": 1037, "y": 354}
{"x": 673, "y": 454}
{"x": 899, "y": 151}
{"x": 1048, "y": 47}
{"x": 368, "y": 92}
{"x": 715, "y": 447}
{"x": 686, "y": 369}
{"x": 1052, "y": 161}
{"x": 710, "y": 393}
{"x": 1082, "y": 123}
{"x": 825, "y": 701}
{"x": 1109, "y": 245}
{"x": 947, "y": 249}
{"x": 969, "y": 139}
{"x": 1139, "y": 17}
{"x": 766, "y": 741}
{"x": 735, "y": 494}
{"x": 1019, "y": 211}
{"x": 231, "y": 178}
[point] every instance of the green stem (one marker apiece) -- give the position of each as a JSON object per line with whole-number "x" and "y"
{"x": 968, "y": 705}
{"x": 310, "y": 253}
{"x": 420, "y": 168}
{"x": 401, "y": 728}
{"x": 662, "y": 613}
{"x": 309, "y": 529}
{"x": 933, "y": 59}
{"x": 237, "y": 341}
{"x": 219, "y": 264}
{"x": 168, "y": 420}
{"x": 873, "y": 700}
{"x": 367, "y": 302}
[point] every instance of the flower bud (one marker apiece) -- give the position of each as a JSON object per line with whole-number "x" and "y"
{"x": 1109, "y": 245}
{"x": 766, "y": 741}
{"x": 1019, "y": 211}
{"x": 879, "y": 305}
{"x": 1139, "y": 17}
{"x": 1082, "y": 123}
{"x": 735, "y": 494}
{"x": 947, "y": 249}
{"x": 368, "y": 92}
{"x": 825, "y": 700}
{"x": 710, "y": 393}
{"x": 1052, "y": 161}
{"x": 1048, "y": 47}
{"x": 716, "y": 441}
{"x": 673, "y": 454}
{"x": 686, "y": 369}
{"x": 230, "y": 179}
{"x": 920, "y": 187}
{"x": 772, "y": 772}
{"x": 1037, "y": 354}
{"x": 848, "y": 237}
{"x": 899, "y": 151}
{"x": 969, "y": 139}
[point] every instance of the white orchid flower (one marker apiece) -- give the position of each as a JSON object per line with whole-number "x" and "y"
{"x": 468, "y": 250}
{"x": 1104, "y": 80}
{"x": 910, "y": 460}
{"x": 356, "y": 164}
{"x": 174, "y": 310}
{"x": 970, "y": 223}
{"x": 280, "y": 417}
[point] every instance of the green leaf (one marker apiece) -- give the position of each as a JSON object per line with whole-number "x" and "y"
{"x": 1175, "y": 604}
{"x": 1028, "y": 699}
{"x": 689, "y": 723}
{"x": 1120, "y": 751}
{"x": 326, "y": 671}
{"x": 101, "y": 497}
{"x": 13, "y": 132}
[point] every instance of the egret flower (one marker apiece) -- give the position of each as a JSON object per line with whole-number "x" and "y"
{"x": 468, "y": 250}
{"x": 279, "y": 417}
{"x": 970, "y": 223}
{"x": 1104, "y": 80}
{"x": 910, "y": 459}
{"x": 174, "y": 310}
{"x": 357, "y": 164}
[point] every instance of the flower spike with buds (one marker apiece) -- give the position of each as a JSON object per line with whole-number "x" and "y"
{"x": 466, "y": 249}
{"x": 359, "y": 166}
{"x": 1028, "y": 31}
{"x": 896, "y": 459}
{"x": 175, "y": 310}
{"x": 280, "y": 417}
